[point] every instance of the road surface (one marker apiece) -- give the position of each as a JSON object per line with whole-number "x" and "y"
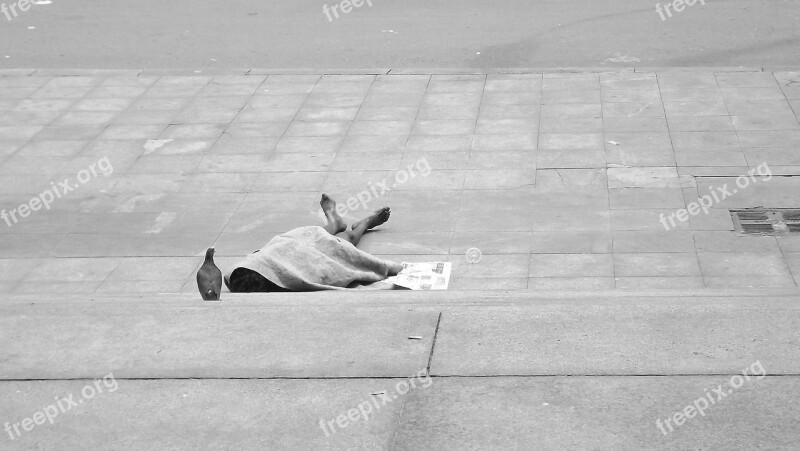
{"x": 299, "y": 34}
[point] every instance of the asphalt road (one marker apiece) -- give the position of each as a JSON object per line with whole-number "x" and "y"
{"x": 297, "y": 34}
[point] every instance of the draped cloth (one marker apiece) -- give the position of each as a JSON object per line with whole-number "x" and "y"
{"x": 311, "y": 259}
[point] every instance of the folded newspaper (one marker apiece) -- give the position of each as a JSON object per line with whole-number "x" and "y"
{"x": 423, "y": 276}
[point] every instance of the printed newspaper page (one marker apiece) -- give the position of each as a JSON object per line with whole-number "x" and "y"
{"x": 423, "y": 276}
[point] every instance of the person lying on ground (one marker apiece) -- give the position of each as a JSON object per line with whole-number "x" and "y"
{"x": 314, "y": 258}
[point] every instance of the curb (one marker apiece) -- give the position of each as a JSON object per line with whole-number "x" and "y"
{"x": 65, "y": 72}
{"x": 744, "y": 298}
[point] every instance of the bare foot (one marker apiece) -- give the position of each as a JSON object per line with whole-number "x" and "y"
{"x": 395, "y": 268}
{"x": 375, "y": 219}
{"x": 329, "y": 208}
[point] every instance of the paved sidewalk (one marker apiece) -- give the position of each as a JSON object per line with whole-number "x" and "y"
{"x": 534, "y": 370}
{"x": 558, "y": 178}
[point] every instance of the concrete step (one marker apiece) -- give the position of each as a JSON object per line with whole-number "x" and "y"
{"x": 367, "y": 334}
{"x": 447, "y": 370}
{"x": 441, "y": 413}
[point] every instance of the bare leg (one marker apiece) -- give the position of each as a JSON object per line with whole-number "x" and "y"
{"x": 335, "y": 222}
{"x": 370, "y": 222}
{"x": 359, "y": 228}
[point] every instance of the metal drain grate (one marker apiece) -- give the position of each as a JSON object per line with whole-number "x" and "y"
{"x": 764, "y": 221}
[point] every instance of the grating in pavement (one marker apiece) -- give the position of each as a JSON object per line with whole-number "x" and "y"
{"x": 776, "y": 221}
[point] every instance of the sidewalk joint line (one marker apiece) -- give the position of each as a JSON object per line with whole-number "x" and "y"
{"x": 440, "y": 376}
{"x": 399, "y": 421}
{"x": 433, "y": 344}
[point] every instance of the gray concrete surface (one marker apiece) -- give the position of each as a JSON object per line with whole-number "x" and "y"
{"x": 210, "y": 341}
{"x": 520, "y": 413}
{"x": 205, "y": 35}
{"x": 559, "y": 178}
{"x": 701, "y": 340}
{"x": 200, "y": 414}
{"x": 644, "y": 339}
{"x": 603, "y": 335}
{"x": 598, "y": 413}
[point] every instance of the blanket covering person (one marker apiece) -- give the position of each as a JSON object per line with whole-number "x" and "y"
{"x": 311, "y": 259}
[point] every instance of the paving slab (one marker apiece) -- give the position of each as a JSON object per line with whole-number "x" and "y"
{"x": 580, "y": 162}
{"x": 201, "y": 414}
{"x": 445, "y": 413}
{"x": 643, "y": 339}
{"x": 207, "y": 341}
{"x": 618, "y": 413}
